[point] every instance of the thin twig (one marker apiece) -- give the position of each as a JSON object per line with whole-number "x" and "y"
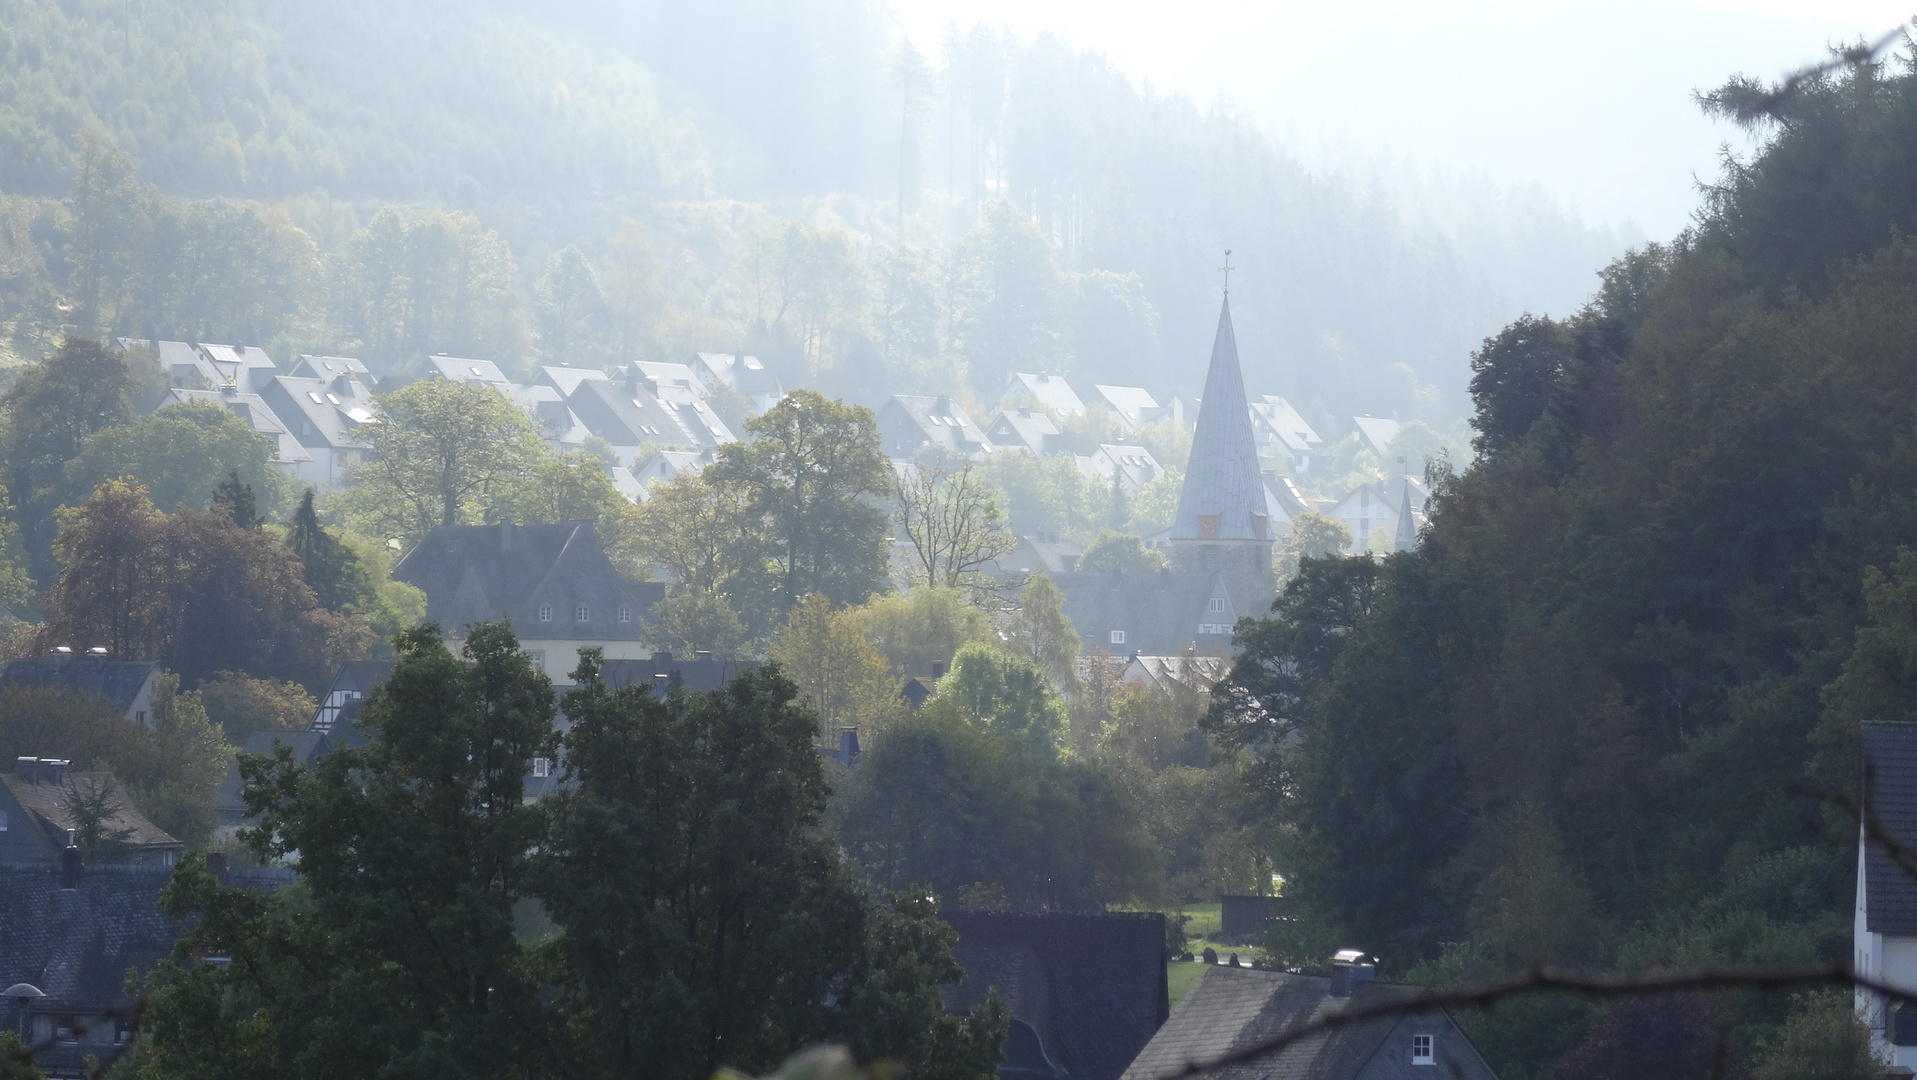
{"x": 1537, "y": 979}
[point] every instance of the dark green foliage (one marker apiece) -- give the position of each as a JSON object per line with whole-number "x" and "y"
{"x": 49, "y": 411}
{"x": 1512, "y": 378}
{"x": 235, "y": 499}
{"x": 193, "y": 454}
{"x": 330, "y": 568}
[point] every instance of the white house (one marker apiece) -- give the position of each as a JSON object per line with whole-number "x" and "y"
{"x": 1884, "y": 931}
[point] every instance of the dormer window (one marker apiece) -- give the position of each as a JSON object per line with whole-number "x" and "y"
{"x": 542, "y": 767}
{"x": 625, "y": 613}
{"x": 1422, "y": 1047}
{"x": 545, "y": 613}
{"x": 1118, "y": 637}
{"x": 582, "y": 613}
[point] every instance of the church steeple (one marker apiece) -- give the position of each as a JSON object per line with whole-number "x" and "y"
{"x": 1224, "y": 495}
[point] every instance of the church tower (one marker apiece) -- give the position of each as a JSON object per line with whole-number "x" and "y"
{"x": 1224, "y": 522}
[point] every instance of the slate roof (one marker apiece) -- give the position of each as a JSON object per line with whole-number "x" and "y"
{"x": 1232, "y": 1007}
{"x": 1159, "y": 612}
{"x": 1199, "y": 672}
{"x": 1889, "y": 767}
{"x": 546, "y": 407}
{"x": 1275, "y": 418}
{"x": 1133, "y": 403}
{"x": 1050, "y": 391}
{"x": 47, "y": 802}
{"x": 1024, "y": 428}
{"x": 251, "y": 408}
{"x": 1044, "y": 553}
{"x": 909, "y": 421}
{"x": 742, "y": 373}
{"x": 629, "y": 415}
{"x": 667, "y": 464}
{"x": 243, "y": 366}
{"x": 567, "y": 379}
{"x": 332, "y": 367}
{"x": 332, "y": 411}
{"x": 663, "y": 375}
{"x": 700, "y": 673}
{"x": 460, "y": 369}
{"x": 1376, "y": 432}
{"x": 473, "y": 573}
{"x": 1092, "y": 986}
{"x": 307, "y": 746}
{"x": 1135, "y": 463}
{"x": 116, "y": 682}
{"x": 1222, "y": 480}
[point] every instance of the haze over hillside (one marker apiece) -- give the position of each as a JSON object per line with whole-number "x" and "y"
{"x": 710, "y": 126}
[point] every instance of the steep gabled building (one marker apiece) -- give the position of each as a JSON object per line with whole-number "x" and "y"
{"x": 1224, "y": 523}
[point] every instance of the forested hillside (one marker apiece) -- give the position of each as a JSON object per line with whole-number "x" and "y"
{"x": 1587, "y": 721}
{"x": 758, "y": 174}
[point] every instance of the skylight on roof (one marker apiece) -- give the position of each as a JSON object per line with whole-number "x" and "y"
{"x": 314, "y": 394}
{"x": 334, "y": 398}
{"x": 477, "y": 370}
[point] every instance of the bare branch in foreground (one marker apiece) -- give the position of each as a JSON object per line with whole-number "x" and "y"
{"x": 1537, "y": 979}
{"x": 1768, "y": 104}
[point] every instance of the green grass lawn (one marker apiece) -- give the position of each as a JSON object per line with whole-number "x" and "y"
{"x": 1204, "y": 919}
{"x": 1180, "y": 977}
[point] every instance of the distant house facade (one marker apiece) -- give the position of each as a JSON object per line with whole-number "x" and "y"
{"x": 1374, "y": 512}
{"x": 1044, "y": 392}
{"x": 1025, "y": 429}
{"x": 1153, "y": 613}
{"x": 1884, "y": 923}
{"x": 1085, "y": 992}
{"x": 553, "y": 581}
{"x": 329, "y": 418}
{"x": 1232, "y": 1008}
{"x": 910, "y": 422}
{"x": 125, "y": 686}
{"x": 42, "y": 806}
{"x": 1283, "y": 434}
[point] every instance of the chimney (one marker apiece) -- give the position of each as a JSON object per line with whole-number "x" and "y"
{"x": 938, "y": 669}
{"x": 54, "y": 769}
{"x": 61, "y": 654}
{"x": 70, "y": 865}
{"x": 848, "y": 745}
{"x": 660, "y": 682}
{"x": 1348, "y": 971}
{"x": 704, "y": 656}
{"x": 505, "y": 536}
{"x": 29, "y": 769}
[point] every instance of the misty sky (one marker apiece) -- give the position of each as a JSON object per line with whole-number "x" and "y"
{"x": 1591, "y": 100}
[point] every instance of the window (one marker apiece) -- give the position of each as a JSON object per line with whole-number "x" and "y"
{"x": 1421, "y": 1050}
{"x": 3, "y": 821}
{"x": 314, "y": 394}
{"x": 334, "y": 398}
{"x": 1118, "y": 637}
{"x": 582, "y": 613}
{"x": 545, "y": 613}
{"x": 625, "y": 612}
{"x": 538, "y": 658}
{"x": 1218, "y": 603}
{"x": 542, "y": 767}
{"x": 139, "y": 716}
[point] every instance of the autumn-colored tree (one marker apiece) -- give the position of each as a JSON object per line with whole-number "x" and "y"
{"x": 840, "y": 676}
{"x": 114, "y": 572}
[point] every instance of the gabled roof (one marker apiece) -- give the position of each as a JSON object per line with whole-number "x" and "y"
{"x": 567, "y": 379}
{"x": 1277, "y": 421}
{"x": 1044, "y": 553}
{"x": 251, "y": 408}
{"x": 332, "y": 367}
{"x": 229, "y": 802}
{"x": 742, "y": 373}
{"x": 475, "y": 573}
{"x": 1284, "y": 498}
{"x": 1050, "y": 391}
{"x": 239, "y": 365}
{"x": 1889, "y": 768}
{"x": 663, "y": 375}
{"x": 1132, "y": 403}
{"x": 909, "y": 421}
{"x": 48, "y": 802}
{"x": 459, "y": 369}
{"x": 1158, "y": 612}
{"x": 667, "y": 464}
{"x": 1033, "y": 431}
{"x": 702, "y": 672}
{"x": 118, "y": 683}
{"x": 1194, "y": 671}
{"x": 547, "y": 409}
{"x": 1377, "y": 433}
{"x": 1090, "y": 986}
{"x": 334, "y": 410}
{"x": 626, "y": 415}
{"x": 1233, "y": 1007}
{"x": 1222, "y": 482}
{"x": 1135, "y": 463}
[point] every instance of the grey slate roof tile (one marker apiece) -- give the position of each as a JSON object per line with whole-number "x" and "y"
{"x": 1890, "y": 776}
{"x": 475, "y": 573}
{"x": 116, "y": 682}
{"x": 1159, "y": 612}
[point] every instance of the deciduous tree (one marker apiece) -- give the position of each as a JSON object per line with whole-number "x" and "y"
{"x": 952, "y": 522}
{"x": 439, "y": 450}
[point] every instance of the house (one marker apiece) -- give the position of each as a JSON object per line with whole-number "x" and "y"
{"x": 669, "y": 377}
{"x": 661, "y": 467}
{"x": 566, "y": 379}
{"x": 559, "y": 427}
{"x": 125, "y": 686}
{"x": 1051, "y": 393}
{"x": 72, "y": 933}
{"x": 459, "y": 370}
{"x": 229, "y": 804}
{"x": 1884, "y": 923}
{"x": 342, "y": 700}
{"x": 1224, "y": 519}
{"x": 661, "y": 669}
{"x": 43, "y": 804}
{"x": 241, "y": 366}
{"x": 1036, "y": 553}
{"x": 1232, "y": 1008}
{"x": 332, "y": 367}
{"x": 743, "y": 374}
{"x": 1189, "y": 671}
{"x": 1370, "y": 510}
{"x": 916, "y": 690}
{"x": 288, "y": 454}
{"x": 1132, "y": 404}
{"x": 1086, "y": 992}
{"x": 1282, "y": 433}
{"x": 329, "y": 418}
{"x": 553, "y": 581}
{"x": 628, "y": 416}
{"x": 1026, "y": 429}
{"x": 1133, "y": 466}
{"x": 909, "y": 421}
{"x": 1377, "y": 434}
{"x": 1153, "y": 613}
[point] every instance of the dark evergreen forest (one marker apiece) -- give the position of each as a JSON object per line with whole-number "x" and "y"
{"x": 1598, "y": 718}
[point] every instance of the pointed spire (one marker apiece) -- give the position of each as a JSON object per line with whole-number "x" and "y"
{"x": 1224, "y": 495}
{"x": 1407, "y": 538}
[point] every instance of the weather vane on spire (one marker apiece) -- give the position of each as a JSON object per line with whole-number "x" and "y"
{"x": 1227, "y": 268}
